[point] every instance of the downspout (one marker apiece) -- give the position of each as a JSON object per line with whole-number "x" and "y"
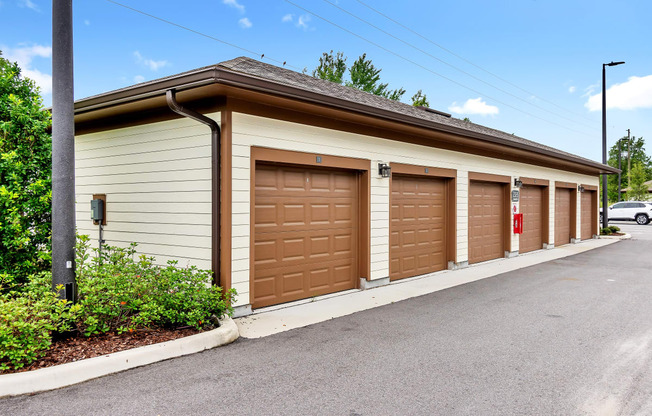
{"x": 216, "y": 143}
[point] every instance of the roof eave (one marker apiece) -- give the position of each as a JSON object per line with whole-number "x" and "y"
{"x": 220, "y": 75}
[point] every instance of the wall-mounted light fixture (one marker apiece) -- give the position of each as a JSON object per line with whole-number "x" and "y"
{"x": 384, "y": 170}
{"x": 580, "y": 188}
{"x": 518, "y": 183}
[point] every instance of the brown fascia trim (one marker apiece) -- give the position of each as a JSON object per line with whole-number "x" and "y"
{"x": 224, "y": 76}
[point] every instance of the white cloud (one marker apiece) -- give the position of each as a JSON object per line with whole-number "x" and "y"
{"x": 29, "y": 4}
{"x": 24, "y": 57}
{"x": 234, "y": 3}
{"x": 150, "y": 63}
{"x": 302, "y": 22}
{"x": 474, "y": 106}
{"x": 287, "y": 18}
{"x": 571, "y": 89}
{"x": 245, "y": 23}
{"x": 588, "y": 91}
{"x": 635, "y": 93}
{"x": 138, "y": 79}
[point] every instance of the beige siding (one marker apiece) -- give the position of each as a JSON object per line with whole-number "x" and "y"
{"x": 251, "y": 131}
{"x": 157, "y": 178}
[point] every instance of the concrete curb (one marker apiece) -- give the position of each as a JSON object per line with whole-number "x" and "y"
{"x": 72, "y": 373}
{"x": 617, "y": 237}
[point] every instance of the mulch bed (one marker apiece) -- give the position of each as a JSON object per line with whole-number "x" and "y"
{"x": 78, "y": 347}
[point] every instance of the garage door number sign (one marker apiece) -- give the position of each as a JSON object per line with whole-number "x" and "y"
{"x": 515, "y": 195}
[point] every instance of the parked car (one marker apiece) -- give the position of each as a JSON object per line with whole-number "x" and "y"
{"x": 639, "y": 211}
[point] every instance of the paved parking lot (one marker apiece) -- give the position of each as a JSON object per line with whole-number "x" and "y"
{"x": 571, "y": 336}
{"x": 641, "y": 232}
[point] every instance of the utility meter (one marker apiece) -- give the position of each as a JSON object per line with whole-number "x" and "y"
{"x": 97, "y": 210}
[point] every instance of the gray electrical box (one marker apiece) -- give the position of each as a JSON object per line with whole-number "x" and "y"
{"x": 97, "y": 210}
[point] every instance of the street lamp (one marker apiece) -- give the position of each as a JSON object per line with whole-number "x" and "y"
{"x": 605, "y": 202}
{"x": 619, "y": 153}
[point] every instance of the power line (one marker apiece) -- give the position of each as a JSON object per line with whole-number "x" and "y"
{"x": 468, "y": 61}
{"x": 434, "y": 72}
{"x": 249, "y": 51}
{"x": 455, "y": 67}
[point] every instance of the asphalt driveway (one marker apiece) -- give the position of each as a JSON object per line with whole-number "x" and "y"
{"x": 567, "y": 337}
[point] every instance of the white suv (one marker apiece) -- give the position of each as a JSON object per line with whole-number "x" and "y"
{"x": 638, "y": 211}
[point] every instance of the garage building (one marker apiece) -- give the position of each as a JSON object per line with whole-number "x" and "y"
{"x": 306, "y": 187}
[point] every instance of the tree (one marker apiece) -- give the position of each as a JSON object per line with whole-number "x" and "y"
{"x": 420, "y": 100}
{"x": 638, "y": 190}
{"x": 365, "y": 77}
{"x": 363, "y": 74}
{"x": 25, "y": 177}
{"x": 638, "y": 155}
{"x": 331, "y": 68}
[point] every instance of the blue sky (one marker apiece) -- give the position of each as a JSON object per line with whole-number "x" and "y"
{"x": 528, "y": 67}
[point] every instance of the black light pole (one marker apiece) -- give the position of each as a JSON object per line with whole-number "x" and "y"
{"x": 619, "y": 140}
{"x": 605, "y": 201}
{"x": 63, "y": 151}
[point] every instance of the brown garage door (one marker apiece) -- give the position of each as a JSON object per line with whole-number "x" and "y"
{"x": 417, "y": 228}
{"x": 531, "y": 207}
{"x": 305, "y": 233}
{"x": 486, "y": 221}
{"x": 588, "y": 215}
{"x": 562, "y": 216}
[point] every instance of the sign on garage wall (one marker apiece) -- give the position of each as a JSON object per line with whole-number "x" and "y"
{"x": 515, "y": 195}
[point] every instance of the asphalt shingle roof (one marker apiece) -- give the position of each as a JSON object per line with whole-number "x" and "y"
{"x": 283, "y": 77}
{"x": 305, "y": 82}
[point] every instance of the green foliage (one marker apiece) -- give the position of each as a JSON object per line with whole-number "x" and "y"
{"x": 637, "y": 154}
{"x": 25, "y": 178}
{"x": 331, "y": 67}
{"x": 115, "y": 293}
{"x": 27, "y": 320}
{"x": 119, "y": 293}
{"x": 638, "y": 190}
{"x": 363, "y": 75}
{"x": 612, "y": 229}
{"x": 420, "y": 100}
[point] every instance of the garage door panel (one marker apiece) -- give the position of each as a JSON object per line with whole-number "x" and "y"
{"x": 417, "y": 226}
{"x": 562, "y": 216}
{"x": 531, "y": 206}
{"x": 292, "y": 283}
{"x": 486, "y": 221}
{"x": 293, "y": 248}
{"x": 415, "y": 264}
{"x": 588, "y": 215}
{"x": 305, "y": 226}
{"x": 341, "y": 273}
{"x": 319, "y": 279}
{"x": 275, "y": 215}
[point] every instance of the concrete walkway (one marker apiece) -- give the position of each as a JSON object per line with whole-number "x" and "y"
{"x": 275, "y": 319}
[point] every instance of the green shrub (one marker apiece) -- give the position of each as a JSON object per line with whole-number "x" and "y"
{"x": 27, "y": 320}
{"x": 613, "y": 229}
{"x": 117, "y": 292}
{"x": 605, "y": 231}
